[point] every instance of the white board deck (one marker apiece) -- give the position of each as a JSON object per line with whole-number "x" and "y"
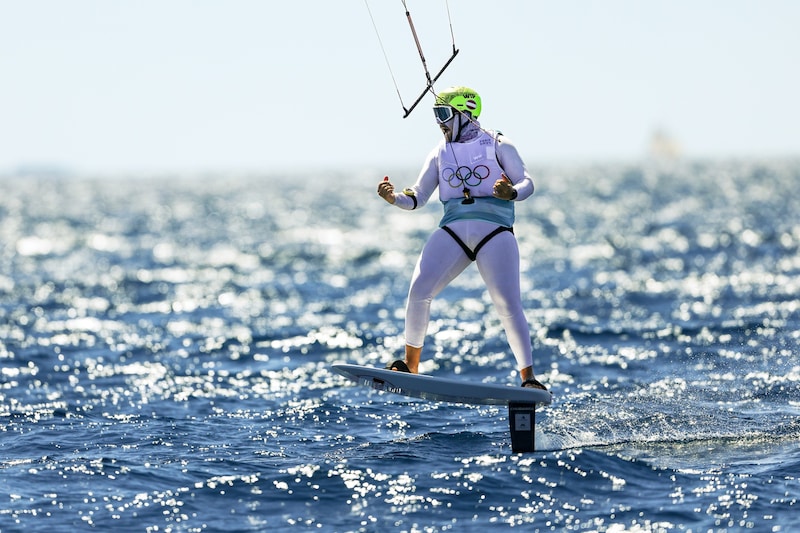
{"x": 441, "y": 389}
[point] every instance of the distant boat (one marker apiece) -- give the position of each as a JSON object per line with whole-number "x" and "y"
{"x": 664, "y": 146}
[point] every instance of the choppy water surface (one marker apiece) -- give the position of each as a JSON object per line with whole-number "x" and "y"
{"x": 165, "y": 347}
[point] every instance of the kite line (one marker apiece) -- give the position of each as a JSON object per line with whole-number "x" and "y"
{"x": 429, "y": 80}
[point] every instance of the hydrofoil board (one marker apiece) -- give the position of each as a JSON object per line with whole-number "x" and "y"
{"x": 441, "y": 389}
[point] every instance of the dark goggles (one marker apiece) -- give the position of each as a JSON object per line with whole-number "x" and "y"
{"x": 443, "y": 113}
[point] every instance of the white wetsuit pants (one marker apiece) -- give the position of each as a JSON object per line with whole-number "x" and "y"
{"x": 442, "y": 260}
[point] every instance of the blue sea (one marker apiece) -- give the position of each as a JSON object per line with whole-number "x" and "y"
{"x": 166, "y": 345}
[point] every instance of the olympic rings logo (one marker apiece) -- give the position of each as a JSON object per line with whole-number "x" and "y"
{"x": 465, "y": 176}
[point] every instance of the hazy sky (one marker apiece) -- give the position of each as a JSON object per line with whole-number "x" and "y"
{"x": 257, "y": 85}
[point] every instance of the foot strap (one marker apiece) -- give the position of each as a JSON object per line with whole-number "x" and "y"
{"x": 534, "y": 384}
{"x": 398, "y": 365}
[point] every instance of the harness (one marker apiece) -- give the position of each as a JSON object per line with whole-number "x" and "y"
{"x": 473, "y": 254}
{"x": 488, "y": 168}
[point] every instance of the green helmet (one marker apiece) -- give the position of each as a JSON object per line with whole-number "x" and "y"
{"x": 462, "y": 98}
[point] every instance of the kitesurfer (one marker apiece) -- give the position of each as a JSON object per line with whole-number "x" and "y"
{"x": 480, "y": 176}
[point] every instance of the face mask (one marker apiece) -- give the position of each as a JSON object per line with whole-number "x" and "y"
{"x": 452, "y": 128}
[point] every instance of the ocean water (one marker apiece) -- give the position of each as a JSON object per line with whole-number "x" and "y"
{"x": 165, "y": 352}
